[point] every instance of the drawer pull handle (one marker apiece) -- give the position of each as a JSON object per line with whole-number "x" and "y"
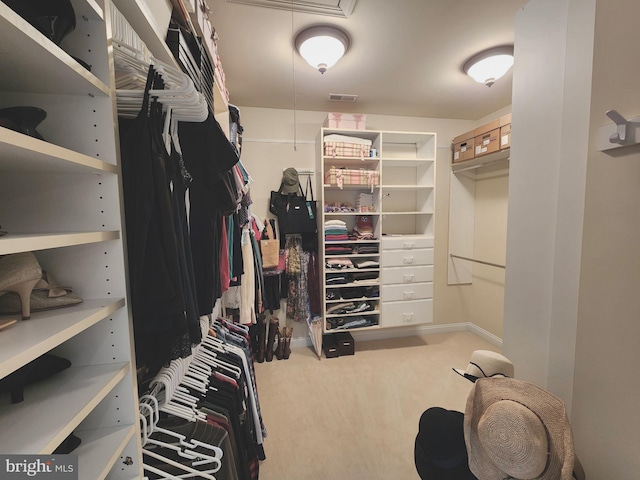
{"x": 409, "y": 246}
{"x": 409, "y": 295}
{"x": 408, "y": 277}
{"x": 408, "y": 260}
{"x": 407, "y": 316}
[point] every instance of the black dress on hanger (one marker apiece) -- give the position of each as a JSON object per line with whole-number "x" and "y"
{"x": 157, "y": 297}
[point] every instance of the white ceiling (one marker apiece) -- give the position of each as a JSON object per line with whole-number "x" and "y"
{"x": 405, "y": 56}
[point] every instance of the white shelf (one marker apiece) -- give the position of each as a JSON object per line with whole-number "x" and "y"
{"x": 351, "y": 242}
{"x": 357, "y": 314}
{"x": 92, "y": 463}
{"x": 482, "y": 161}
{"x": 68, "y": 396}
{"x": 368, "y": 327}
{"x": 407, "y": 213}
{"x": 28, "y": 339}
{"x": 351, "y": 187}
{"x": 359, "y": 299}
{"x": 407, "y": 187}
{"x": 367, "y": 134}
{"x": 41, "y": 66}
{"x": 26, "y": 242}
{"x": 25, "y": 154}
{"x": 342, "y": 285}
{"x": 404, "y": 162}
{"x": 338, "y": 255}
{"x": 357, "y": 214}
{"x": 138, "y": 15}
{"x": 367, "y": 162}
{"x": 350, "y": 270}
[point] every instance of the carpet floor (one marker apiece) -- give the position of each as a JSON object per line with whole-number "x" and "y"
{"x": 356, "y": 417}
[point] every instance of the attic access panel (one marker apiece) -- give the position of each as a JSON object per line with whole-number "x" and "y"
{"x": 333, "y": 8}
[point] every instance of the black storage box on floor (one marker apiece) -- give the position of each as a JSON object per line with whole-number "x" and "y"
{"x": 329, "y": 345}
{"x": 346, "y": 343}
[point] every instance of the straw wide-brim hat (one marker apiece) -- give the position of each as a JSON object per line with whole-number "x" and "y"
{"x": 514, "y": 429}
{"x": 484, "y": 364}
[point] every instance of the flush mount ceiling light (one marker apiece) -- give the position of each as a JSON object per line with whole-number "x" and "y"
{"x": 488, "y": 66}
{"x": 322, "y": 45}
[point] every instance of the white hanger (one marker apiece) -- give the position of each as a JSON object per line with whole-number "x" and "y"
{"x": 180, "y": 93}
{"x": 153, "y": 427}
{"x": 192, "y": 472}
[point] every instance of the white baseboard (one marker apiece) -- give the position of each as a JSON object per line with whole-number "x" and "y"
{"x": 399, "y": 332}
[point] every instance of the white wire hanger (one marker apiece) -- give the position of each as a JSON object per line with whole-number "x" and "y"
{"x": 179, "y": 94}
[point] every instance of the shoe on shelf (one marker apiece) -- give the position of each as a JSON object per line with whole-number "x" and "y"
{"x": 19, "y": 274}
{"x": 39, "y": 369}
{"x": 34, "y": 295}
{"x": 23, "y": 120}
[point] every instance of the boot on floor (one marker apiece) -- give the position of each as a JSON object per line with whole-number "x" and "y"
{"x": 288, "y": 333}
{"x": 261, "y": 327}
{"x": 280, "y": 348}
{"x": 274, "y": 323}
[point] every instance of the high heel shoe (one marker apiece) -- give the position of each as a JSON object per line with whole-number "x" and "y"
{"x": 19, "y": 273}
{"x": 46, "y": 295}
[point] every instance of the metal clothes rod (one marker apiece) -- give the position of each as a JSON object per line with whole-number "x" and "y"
{"x": 477, "y": 261}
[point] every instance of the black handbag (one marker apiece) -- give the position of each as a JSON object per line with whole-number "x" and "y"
{"x": 296, "y": 214}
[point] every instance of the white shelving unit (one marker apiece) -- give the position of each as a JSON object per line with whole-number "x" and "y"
{"x": 61, "y": 199}
{"x": 403, "y": 223}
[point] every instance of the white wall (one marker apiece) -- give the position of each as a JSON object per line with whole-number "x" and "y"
{"x": 268, "y": 148}
{"x": 605, "y": 414}
{"x": 573, "y": 264}
{"x": 551, "y": 91}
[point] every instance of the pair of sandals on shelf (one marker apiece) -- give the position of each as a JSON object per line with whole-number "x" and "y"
{"x": 25, "y": 287}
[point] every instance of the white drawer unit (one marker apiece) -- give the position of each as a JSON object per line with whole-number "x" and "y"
{"x": 395, "y": 275}
{"x": 400, "y": 258}
{"x": 397, "y": 314}
{"x": 406, "y": 242}
{"x": 407, "y": 292}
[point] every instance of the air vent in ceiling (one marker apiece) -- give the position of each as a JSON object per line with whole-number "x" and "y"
{"x": 342, "y": 97}
{"x": 332, "y": 8}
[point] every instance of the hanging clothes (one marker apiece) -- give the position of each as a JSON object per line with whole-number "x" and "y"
{"x": 208, "y": 156}
{"x": 221, "y": 410}
{"x": 297, "y": 264}
{"x": 248, "y": 284}
{"x": 157, "y": 297}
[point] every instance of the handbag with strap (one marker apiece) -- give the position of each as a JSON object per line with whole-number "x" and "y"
{"x": 296, "y": 213}
{"x": 270, "y": 248}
